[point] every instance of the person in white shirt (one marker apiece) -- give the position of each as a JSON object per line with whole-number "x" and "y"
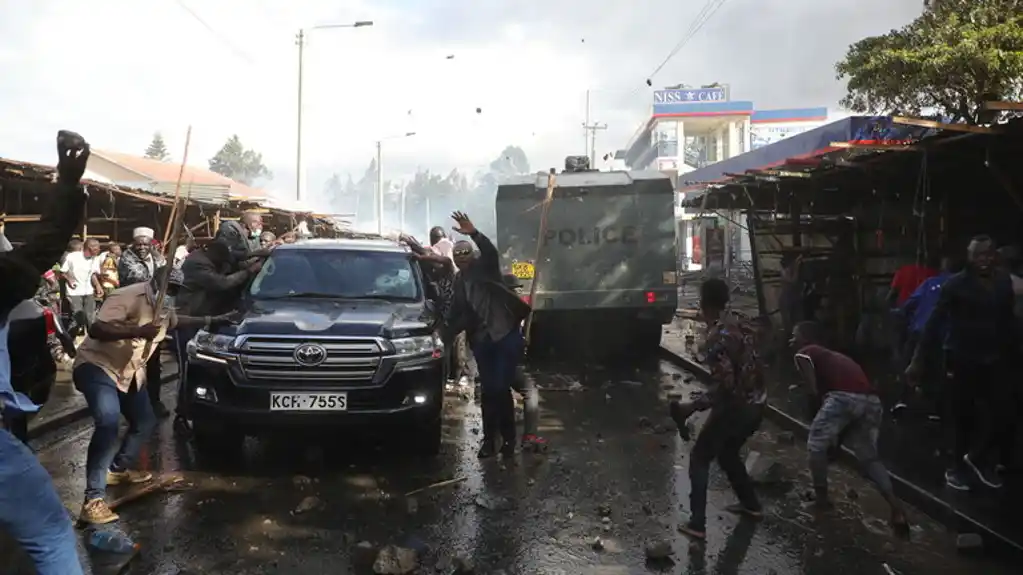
{"x": 81, "y": 272}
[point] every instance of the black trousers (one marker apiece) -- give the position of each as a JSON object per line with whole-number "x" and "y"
{"x": 726, "y": 430}
{"x": 978, "y": 406}
{"x": 154, "y": 372}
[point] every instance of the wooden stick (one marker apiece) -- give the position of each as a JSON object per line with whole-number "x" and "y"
{"x": 444, "y": 483}
{"x": 551, "y": 181}
{"x": 1004, "y": 106}
{"x": 146, "y": 489}
{"x": 922, "y": 123}
{"x": 177, "y": 187}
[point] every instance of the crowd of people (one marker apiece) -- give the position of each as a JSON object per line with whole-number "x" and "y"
{"x": 125, "y": 301}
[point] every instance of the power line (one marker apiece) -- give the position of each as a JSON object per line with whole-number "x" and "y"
{"x": 223, "y": 39}
{"x": 705, "y": 14}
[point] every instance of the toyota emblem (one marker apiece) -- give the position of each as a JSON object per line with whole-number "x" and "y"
{"x": 310, "y": 354}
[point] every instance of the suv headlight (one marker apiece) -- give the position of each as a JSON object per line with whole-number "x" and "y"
{"x": 212, "y": 342}
{"x": 418, "y": 345}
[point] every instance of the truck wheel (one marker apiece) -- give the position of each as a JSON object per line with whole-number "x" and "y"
{"x": 648, "y": 335}
{"x": 426, "y": 437}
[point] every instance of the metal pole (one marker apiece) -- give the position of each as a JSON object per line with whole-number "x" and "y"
{"x": 298, "y": 145}
{"x": 380, "y": 191}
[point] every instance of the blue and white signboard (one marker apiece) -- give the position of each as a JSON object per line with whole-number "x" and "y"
{"x": 689, "y": 95}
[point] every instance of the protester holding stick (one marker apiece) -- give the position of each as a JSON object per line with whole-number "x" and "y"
{"x": 110, "y": 372}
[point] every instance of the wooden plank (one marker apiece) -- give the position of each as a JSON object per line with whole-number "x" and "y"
{"x": 878, "y": 147}
{"x": 20, "y": 218}
{"x": 942, "y": 125}
{"x": 1003, "y": 106}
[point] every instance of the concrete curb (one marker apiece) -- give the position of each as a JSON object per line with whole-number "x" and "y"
{"x": 63, "y": 420}
{"x": 936, "y": 508}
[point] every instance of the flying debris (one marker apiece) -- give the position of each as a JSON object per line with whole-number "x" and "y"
{"x": 450, "y": 57}
{"x": 648, "y": 82}
{"x": 479, "y": 110}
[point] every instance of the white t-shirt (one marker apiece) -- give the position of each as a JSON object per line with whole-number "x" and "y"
{"x": 80, "y": 269}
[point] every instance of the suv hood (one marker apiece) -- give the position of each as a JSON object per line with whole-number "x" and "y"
{"x": 307, "y": 316}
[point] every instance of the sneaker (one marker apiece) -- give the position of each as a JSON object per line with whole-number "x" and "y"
{"x": 740, "y": 509}
{"x": 463, "y": 381}
{"x": 955, "y": 480}
{"x": 898, "y": 409}
{"x": 986, "y": 476}
{"x": 96, "y": 512}
{"x": 531, "y": 442}
{"x": 127, "y": 476}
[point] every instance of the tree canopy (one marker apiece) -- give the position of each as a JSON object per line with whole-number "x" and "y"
{"x": 157, "y": 149}
{"x": 954, "y": 57}
{"x": 238, "y": 163}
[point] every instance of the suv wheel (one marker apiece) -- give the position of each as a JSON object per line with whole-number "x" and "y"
{"x": 214, "y": 440}
{"x": 426, "y": 437}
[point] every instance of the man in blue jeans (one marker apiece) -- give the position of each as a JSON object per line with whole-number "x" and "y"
{"x": 490, "y": 313}
{"x": 30, "y": 509}
{"x": 110, "y": 371}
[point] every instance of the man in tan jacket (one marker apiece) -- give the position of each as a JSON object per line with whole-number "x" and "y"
{"x": 110, "y": 371}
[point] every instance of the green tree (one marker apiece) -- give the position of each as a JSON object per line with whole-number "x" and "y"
{"x": 954, "y": 57}
{"x": 157, "y": 149}
{"x": 238, "y": 163}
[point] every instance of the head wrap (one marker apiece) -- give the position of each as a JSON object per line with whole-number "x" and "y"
{"x": 444, "y": 247}
{"x": 143, "y": 232}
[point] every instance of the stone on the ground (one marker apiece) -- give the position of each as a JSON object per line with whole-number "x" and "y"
{"x": 763, "y": 469}
{"x": 301, "y": 481}
{"x": 394, "y": 560}
{"x": 967, "y": 542}
{"x": 307, "y": 504}
{"x": 412, "y": 505}
{"x": 597, "y": 544}
{"x": 604, "y": 510}
{"x": 658, "y": 550}
{"x": 363, "y": 554}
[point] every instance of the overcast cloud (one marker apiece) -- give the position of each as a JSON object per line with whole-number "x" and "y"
{"x": 118, "y": 70}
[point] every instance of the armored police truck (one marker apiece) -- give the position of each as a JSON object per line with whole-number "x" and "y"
{"x": 607, "y": 261}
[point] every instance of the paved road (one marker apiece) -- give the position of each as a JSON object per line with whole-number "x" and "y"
{"x": 610, "y": 448}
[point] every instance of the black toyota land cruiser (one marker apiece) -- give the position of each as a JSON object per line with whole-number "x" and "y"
{"x": 334, "y": 333}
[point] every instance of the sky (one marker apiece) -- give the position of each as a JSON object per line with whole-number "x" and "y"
{"x": 119, "y": 70}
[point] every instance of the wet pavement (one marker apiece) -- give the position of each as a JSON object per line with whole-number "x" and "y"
{"x": 616, "y": 470}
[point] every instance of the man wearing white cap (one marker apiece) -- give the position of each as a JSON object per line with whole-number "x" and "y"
{"x": 137, "y": 265}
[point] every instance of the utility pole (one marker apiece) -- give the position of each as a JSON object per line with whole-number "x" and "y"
{"x": 300, "y": 40}
{"x": 590, "y": 134}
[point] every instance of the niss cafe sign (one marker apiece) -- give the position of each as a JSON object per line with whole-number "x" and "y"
{"x": 689, "y": 95}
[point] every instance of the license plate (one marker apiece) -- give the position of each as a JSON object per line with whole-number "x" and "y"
{"x": 523, "y": 270}
{"x": 280, "y": 401}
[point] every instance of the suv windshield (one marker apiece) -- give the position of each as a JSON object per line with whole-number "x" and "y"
{"x": 336, "y": 273}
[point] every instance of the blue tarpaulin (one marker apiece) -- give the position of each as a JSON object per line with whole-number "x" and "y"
{"x": 816, "y": 142}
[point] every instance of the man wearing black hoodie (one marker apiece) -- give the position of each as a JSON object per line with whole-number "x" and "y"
{"x": 490, "y": 313}
{"x": 30, "y": 508}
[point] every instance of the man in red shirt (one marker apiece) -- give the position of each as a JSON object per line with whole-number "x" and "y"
{"x": 908, "y": 278}
{"x": 850, "y": 409}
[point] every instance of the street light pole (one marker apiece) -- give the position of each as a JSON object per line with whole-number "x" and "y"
{"x": 380, "y": 190}
{"x": 300, "y": 41}
{"x": 380, "y": 180}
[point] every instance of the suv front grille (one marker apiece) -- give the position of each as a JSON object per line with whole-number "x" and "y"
{"x": 273, "y": 359}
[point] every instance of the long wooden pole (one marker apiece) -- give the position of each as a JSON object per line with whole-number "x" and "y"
{"x": 172, "y": 226}
{"x": 177, "y": 187}
{"x": 539, "y": 253}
